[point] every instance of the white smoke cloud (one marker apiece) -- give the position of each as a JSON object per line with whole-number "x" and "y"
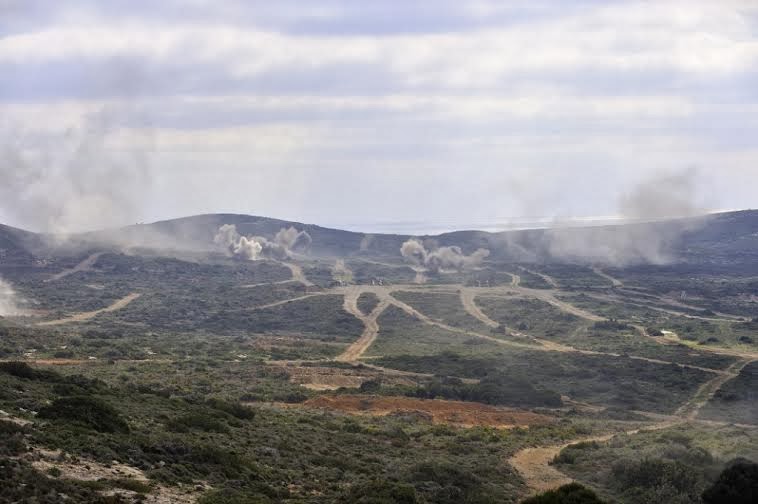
{"x": 254, "y": 248}
{"x": 72, "y": 181}
{"x": 442, "y": 257}
{"x": 670, "y": 195}
{"x": 8, "y": 300}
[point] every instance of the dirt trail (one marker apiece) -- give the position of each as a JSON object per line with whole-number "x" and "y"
{"x": 614, "y": 281}
{"x": 707, "y": 390}
{"x": 297, "y": 274}
{"x": 81, "y": 469}
{"x": 547, "y": 278}
{"x": 85, "y": 265}
{"x": 533, "y": 464}
{"x": 82, "y": 317}
{"x": 285, "y": 301}
{"x": 359, "y": 347}
{"x": 468, "y": 298}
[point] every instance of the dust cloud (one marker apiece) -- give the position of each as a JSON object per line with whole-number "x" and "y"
{"x": 8, "y": 300}
{"x": 74, "y": 181}
{"x": 286, "y": 242}
{"x": 645, "y": 238}
{"x": 440, "y": 258}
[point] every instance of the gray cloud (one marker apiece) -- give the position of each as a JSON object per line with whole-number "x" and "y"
{"x": 540, "y": 110}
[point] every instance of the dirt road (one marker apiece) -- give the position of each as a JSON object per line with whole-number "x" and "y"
{"x": 614, "y": 281}
{"x": 285, "y": 301}
{"x": 84, "y": 316}
{"x": 359, "y": 347}
{"x": 533, "y": 464}
{"x": 297, "y": 274}
{"x": 85, "y": 265}
{"x": 468, "y": 299}
{"x": 705, "y": 393}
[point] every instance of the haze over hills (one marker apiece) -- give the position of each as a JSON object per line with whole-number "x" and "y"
{"x": 716, "y": 238}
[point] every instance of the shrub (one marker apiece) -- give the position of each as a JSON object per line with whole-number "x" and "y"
{"x": 88, "y": 411}
{"x": 381, "y": 492}
{"x": 737, "y": 484}
{"x": 573, "y": 493}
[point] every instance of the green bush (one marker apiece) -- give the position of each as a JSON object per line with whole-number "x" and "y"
{"x": 573, "y": 493}
{"x": 88, "y": 411}
{"x": 381, "y": 492}
{"x": 737, "y": 484}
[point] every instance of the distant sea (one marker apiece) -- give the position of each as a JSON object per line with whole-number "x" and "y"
{"x": 434, "y": 227}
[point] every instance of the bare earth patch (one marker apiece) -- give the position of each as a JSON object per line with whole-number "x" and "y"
{"x": 329, "y": 378}
{"x": 464, "y": 414}
{"x": 88, "y": 470}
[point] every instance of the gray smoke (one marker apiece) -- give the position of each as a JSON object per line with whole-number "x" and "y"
{"x": 62, "y": 183}
{"x": 253, "y": 248}
{"x": 8, "y": 300}
{"x": 366, "y": 242}
{"x": 441, "y": 257}
{"x": 643, "y": 240}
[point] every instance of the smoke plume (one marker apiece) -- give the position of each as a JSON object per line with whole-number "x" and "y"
{"x": 8, "y": 300}
{"x": 253, "y": 248}
{"x": 62, "y": 183}
{"x": 441, "y": 257}
{"x": 643, "y": 240}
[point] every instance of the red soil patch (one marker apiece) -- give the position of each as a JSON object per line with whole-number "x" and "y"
{"x": 460, "y": 413}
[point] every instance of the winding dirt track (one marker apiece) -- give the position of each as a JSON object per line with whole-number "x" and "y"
{"x": 468, "y": 299}
{"x": 614, "y": 281}
{"x": 285, "y": 301}
{"x": 533, "y": 464}
{"x": 82, "y": 317}
{"x": 85, "y": 265}
{"x": 359, "y": 347}
{"x": 547, "y": 278}
{"x": 705, "y": 393}
{"x": 297, "y": 274}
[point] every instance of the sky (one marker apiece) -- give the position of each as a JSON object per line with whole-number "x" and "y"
{"x": 374, "y": 116}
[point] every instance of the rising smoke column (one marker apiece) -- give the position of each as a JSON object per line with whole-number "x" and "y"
{"x": 668, "y": 196}
{"x": 72, "y": 181}
{"x": 253, "y": 248}
{"x": 8, "y": 299}
{"x": 440, "y": 258}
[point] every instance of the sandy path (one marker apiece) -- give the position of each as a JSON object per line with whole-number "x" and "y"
{"x": 85, "y": 265}
{"x": 705, "y": 393}
{"x": 370, "y": 321}
{"x": 533, "y": 464}
{"x": 285, "y": 301}
{"x": 297, "y": 274}
{"x": 547, "y": 278}
{"x": 614, "y": 281}
{"x": 84, "y": 316}
{"x": 468, "y": 299}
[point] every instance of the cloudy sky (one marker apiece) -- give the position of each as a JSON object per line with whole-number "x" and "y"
{"x": 363, "y": 113}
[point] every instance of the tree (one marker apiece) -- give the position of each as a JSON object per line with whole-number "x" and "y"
{"x": 737, "y": 484}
